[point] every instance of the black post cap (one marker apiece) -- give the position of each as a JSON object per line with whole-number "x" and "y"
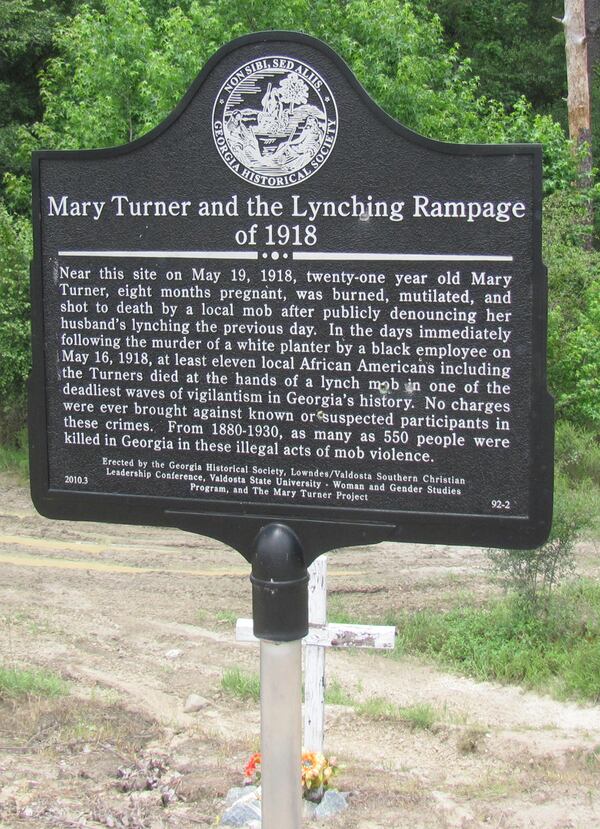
{"x": 279, "y": 585}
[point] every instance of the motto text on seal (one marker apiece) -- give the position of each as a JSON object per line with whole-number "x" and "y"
{"x": 275, "y": 121}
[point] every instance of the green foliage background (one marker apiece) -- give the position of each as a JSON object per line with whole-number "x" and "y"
{"x": 110, "y": 70}
{"x": 121, "y": 66}
{"x": 15, "y": 252}
{"x": 26, "y": 42}
{"x": 516, "y": 48}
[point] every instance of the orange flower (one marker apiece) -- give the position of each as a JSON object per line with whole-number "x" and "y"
{"x": 250, "y": 767}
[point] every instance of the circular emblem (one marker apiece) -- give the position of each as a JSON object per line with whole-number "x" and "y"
{"x": 275, "y": 121}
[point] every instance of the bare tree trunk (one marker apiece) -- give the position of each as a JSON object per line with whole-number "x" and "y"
{"x": 579, "y": 82}
{"x": 579, "y": 97}
{"x": 592, "y": 26}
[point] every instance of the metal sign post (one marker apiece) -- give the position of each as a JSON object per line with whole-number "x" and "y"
{"x": 280, "y": 612}
{"x": 281, "y": 733}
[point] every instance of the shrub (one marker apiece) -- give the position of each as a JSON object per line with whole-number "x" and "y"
{"x": 557, "y": 652}
{"x": 574, "y": 309}
{"x": 15, "y": 247}
{"x": 577, "y": 453}
{"x": 576, "y": 363}
{"x": 534, "y": 574}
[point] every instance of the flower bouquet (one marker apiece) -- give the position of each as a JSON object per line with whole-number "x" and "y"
{"x": 316, "y": 772}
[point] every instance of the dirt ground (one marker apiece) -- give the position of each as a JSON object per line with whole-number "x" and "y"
{"x": 136, "y": 619}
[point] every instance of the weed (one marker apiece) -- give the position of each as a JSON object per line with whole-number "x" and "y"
{"x": 100, "y": 724}
{"x": 336, "y": 695}
{"x": 337, "y": 612}
{"x": 592, "y": 758}
{"x": 490, "y": 787}
{"x": 226, "y": 617}
{"x": 470, "y": 739}
{"x": 14, "y": 457}
{"x": 577, "y": 453}
{"x": 558, "y": 651}
{"x": 19, "y": 682}
{"x": 421, "y": 716}
{"x": 63, "y": 722}
{"x": 242, "y": 685}
{"x": 378, "y": 708}
{"x": 534, "y": 574}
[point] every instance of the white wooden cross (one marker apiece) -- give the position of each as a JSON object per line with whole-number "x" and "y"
{"x": 321, "y": 636}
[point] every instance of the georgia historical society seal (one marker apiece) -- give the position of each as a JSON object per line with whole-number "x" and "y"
{"x": 275, "y": 121}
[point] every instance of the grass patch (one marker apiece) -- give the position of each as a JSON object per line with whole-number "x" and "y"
{"x": 592, "y": 758}
{"x": 421, "y": 716}
{"x": 338, "y": 613}
{"x": 64, "y": 724}
{"x": 378, "y": 708}
{"x": 15, "y": 459}
{"x": 19, "y": 682}
{"x": 577, "y": 452}
{"x": 108, "y": 724}
{"x": 557, "y": 652}
{"x": 226, "y": 617}
{"x": 244, "y": 686}
{"x": 336, "y": 695}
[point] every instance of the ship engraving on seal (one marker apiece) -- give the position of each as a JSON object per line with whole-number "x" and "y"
{"x": 275, "y": 121}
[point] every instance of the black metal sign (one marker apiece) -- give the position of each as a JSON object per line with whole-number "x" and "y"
{"x": 282, "y": 305}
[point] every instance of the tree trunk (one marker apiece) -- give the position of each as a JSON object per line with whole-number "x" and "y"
{"x": 578, "y": 79}
{"x": 579, "y": 98}
{"x": 592, "y": 27}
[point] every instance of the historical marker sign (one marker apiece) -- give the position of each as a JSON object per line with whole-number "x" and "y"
{"x": 282, "y": 305}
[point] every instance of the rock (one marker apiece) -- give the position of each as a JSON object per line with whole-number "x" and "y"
{"x": 194, "y": 703}
{"x": 174, "y": 653}
{"x": 308, "y": 809}
{"x": 244, "y": 810}
{"x": 237, "y": 792}
{"x": 332, "y": 804}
